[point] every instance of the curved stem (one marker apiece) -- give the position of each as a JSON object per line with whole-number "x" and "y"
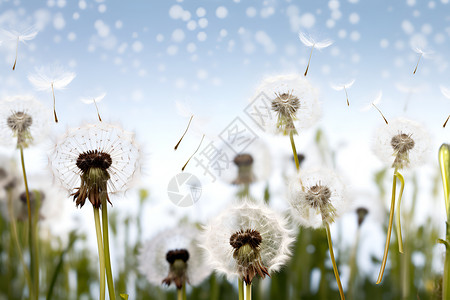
{"x": 248, "y": 291}
{"x": 388, "y": 236}
{"x": 17, "y": 50}
{"x": 109, "y": 278}
{"x": 101, "y": 257}
{"x": 309, "y": 60}
{"x": 241, "y": 289}
{"x": 335, "y": 269}
{"x": 33, "y": 269}
{"x": 294, "y": 150}
{"x": 16, "y": 242}
{"x": 398, "y": 215}
{"x": 54, "y": 103}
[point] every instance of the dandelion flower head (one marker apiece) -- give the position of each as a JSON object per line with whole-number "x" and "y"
{"x": 23, "y": 121}
{"x": 402, "y": 143}
{"x": 95, "y": 159}
{"x": 292, "y": 104}
{"x": 317, "y": 197}
{"x": 246, "y": 240}
{"x": 173, "y": 256}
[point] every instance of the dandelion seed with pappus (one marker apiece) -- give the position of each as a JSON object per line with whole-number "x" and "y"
{"x": 401, "y": 144}
{"x": 317, "y": 198}
{"x": 23, "y": 37}
{"x": 308, "y": 41}
{"x": 246, "y": 240}
{"x": 93, "y": 161}
{"x": 173, "y": 257}
{"x": 51, "y": 79}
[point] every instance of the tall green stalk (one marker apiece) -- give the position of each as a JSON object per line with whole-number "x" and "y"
{"x": 248, "y": 291}
{"x": 444, "y": 162}
{"x": 109, "y": 277}
{"x": 333, "y": 260}
{"x": 101, "y": 256}
{"x": 34, "y": 270}
{"x": 241, "y": 288}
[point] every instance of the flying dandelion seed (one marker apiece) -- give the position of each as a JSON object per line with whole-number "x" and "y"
{"x": 308, "y": 41}
{"x": 187, "y": 128}
{"x": 23, "y": 37}
{"x": 374, "y": 103}
{"x": 201, "y": 141}
{"x": 94, "y": 100}
{"x": 423, "y": 54}
{"x": 345, "y": 86}
{"x": 446, "y": 92}
{"x": 409, "y": 91}
{"x": 51, "y": 79}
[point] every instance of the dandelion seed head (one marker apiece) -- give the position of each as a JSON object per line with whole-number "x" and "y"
{"x": 317, "y": 197}
{"x": 23, "y": 121}
{"x": 101, "y": 153}
{"x": 402, "y": 143}
{"x": 293, "y": 104}
{"x": 246, "y": 240}
{"x": 174, "y": 255}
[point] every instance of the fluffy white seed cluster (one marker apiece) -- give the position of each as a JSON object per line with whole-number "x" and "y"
{"x": 402, "y": 143}
{"x": 293, "y": 102}
{"x": 103, "y": 137}
{"x": 317, "y": 197}
{"x": 274, "y": 248}
{"x": 153, "y": 261}
{"x": 23, "y": 121}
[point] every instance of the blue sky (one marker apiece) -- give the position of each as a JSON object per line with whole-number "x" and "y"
{"x": 154, "y": 57}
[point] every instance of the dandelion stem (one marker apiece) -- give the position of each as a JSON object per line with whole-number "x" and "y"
{"x": 109, "y": 278}
{"x": 346, "y": 96}
{"x": 184, "y": 291}
{"x": 415, "y": 69}
{"x": 182, "y": 169}
{"x": 16, "y": 241}
{"x": 17, "y": 50}
{"x": 33, "y": 269}
{"x": 54, "y": 104}
{"x": 241, "y": 289}
{"x": 398, "y": 215}
{"x": 388, "y": 236}
{"x": 444, "y": 162}
{"x": 179, "y": 294}
{"x": 294, "y": 150}
{"x": 98, "y": 114}
{"x": 248, "y": 291}
{"x": 101, "y": 257}
{"x": 309, "y": 60}
{"x": 335, "y": 269}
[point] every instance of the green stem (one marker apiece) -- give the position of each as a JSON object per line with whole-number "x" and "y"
{"x": 241, "y": 289}
{"x": 446, "y": 276}
{"x": 101, "y": 257}
{"x": 109, "y": 277}
{"x": 248, "y": 291}
{"x": 398, "y": 215}
{"x": 34, "y": 272}
{"x": 353, "y": 267}
{"x": 16, "y": 241}
{"x": 335, "y": 269}
{"x": 184, "y": 291}
{"x": 294, "y": 150}
{"x": 388, "y": 235}
{"x": 179, "y": 294}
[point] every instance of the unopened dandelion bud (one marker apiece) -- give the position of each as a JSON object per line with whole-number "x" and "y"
{"x": 178, "y": 260}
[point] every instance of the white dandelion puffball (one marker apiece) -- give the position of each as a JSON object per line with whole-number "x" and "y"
{"x": 317, "y": 197}
{"x": 153, "y": 262}
{"x": 46, "y": 78}
{"x": 248, "y": 166}
{"x": 102, "y": 146}
{"x": 291, "y": 104}
{"x": 402, "y": 143}
{"x": 269, "y": 254}
{"x": 23, "y": 121}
